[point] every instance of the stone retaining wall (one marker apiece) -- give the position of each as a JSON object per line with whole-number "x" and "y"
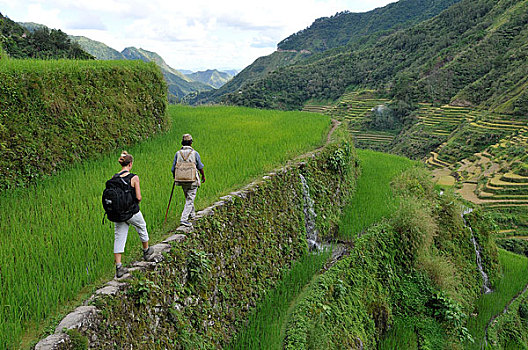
{"x": 199, "y": 287}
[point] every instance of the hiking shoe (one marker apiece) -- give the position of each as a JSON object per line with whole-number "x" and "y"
{"x": 147, "y": 254}
{"x": 186, "y": 223}
{"x": 121, "y": 271}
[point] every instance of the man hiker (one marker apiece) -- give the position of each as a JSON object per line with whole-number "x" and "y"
{"x": 188, "y": 155}
{"x": 129, "y": 184}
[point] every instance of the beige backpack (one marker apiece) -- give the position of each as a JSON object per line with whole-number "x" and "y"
{"x": 185, "y": 171}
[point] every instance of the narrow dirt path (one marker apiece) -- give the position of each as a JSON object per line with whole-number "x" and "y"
{"x": 335, "y": 124}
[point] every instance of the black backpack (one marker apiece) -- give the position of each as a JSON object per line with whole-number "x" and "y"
{"x": 118, "y": 200}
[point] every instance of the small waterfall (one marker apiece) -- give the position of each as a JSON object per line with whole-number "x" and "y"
{"x": 309, "y": 217}
{"x": 485, "y": 287}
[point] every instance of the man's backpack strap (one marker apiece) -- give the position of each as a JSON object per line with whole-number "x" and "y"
{"x": 188, "y": 155}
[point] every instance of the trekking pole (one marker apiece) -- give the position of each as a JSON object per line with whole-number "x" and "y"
{"x": 167, "y": 212}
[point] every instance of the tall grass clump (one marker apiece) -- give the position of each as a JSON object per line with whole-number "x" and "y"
{"x": 3, "y": 55}
{"x": 53, "y": 241}
{"x": 266, "y": 325}
{"x": 373, "y": 198}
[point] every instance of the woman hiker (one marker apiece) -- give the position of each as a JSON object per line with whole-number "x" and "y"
{"x": 121, "y": 228}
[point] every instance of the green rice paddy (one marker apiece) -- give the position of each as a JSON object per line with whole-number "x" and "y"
{"x": 373, "y": 199}
{"x": 54, "y": 244}
{"x": 266, "y": 328}
{"x": 514, "y": 279}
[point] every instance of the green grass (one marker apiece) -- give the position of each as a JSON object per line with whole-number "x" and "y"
{"x": 400, "y": 336}
{"x": 373, "y": 198}
{"x": 266, "y": 326}
{"x": 54, "y": 244}
{"x": 31, "y": 65}
{"x": 513, "y": 280}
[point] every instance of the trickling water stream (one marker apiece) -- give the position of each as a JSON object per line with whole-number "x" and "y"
{"x": 486, "y": 285}
{"x": 309, "y": 217}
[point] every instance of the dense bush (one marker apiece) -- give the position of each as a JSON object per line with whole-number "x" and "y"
{"x": 416, "y": 269}
{"x": 55, "y": 113}
{"x": 517, "y": 246}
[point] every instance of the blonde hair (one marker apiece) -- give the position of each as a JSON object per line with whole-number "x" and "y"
{"x": 125, "y": 158}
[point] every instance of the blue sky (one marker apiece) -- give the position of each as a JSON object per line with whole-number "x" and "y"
{"x": 193, "y": 35}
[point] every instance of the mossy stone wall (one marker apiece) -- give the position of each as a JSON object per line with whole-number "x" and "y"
{"x": 202, "y": 292}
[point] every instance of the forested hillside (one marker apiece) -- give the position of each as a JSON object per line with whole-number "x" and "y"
{"x": 345, "y": 29}
{"x": 99, "y": 50}
{"x": 473, "y": 54}
{"x": 41, "y": 42}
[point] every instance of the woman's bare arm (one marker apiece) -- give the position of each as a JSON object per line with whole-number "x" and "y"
{"x": 135, "y": 183}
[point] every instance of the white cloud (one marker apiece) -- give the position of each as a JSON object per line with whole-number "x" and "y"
{"x": 193, "y": 35}
{"x": 38, "y": 14}
{"x": 87, "y": 20}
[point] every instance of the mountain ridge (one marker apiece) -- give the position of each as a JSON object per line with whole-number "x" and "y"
{"x": 212, "y": 77}
{"x": 472, "y": 53}
{"x": 374, "y": 25}
{"x": 178, "y": 84}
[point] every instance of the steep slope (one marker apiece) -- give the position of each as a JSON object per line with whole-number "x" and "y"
{"x": 344, "y": 29}
{"x": 474, "y": 53}
{"x": 211, "y": 77}
{"x": 98, "y": 49}
{"x": 347, "y": 28}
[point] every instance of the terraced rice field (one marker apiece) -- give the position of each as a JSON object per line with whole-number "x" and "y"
{"x": 315, "y": 109}
{"x": 354, "y": 107}
{"x": 506, "y": 186}
{"x": 487, "y": 176}
{"x": 435, "y": 162}
{"x": 442, "y": 121}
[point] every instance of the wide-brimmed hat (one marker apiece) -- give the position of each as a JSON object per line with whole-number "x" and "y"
{"x": 187, "y": 137}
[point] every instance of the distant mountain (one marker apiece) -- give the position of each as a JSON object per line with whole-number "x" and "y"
{"x": 256, "y": 70}
{"x": 98, "y": 49}
{"x": 37, "y": 42}
{"x": 231, "y": 72}
{"x": 211, "y": 77}
{"x": 179, "y": 84}
{"x": 132, "y": 53}
{"x": 345, "y": 29}
{"x": 31, "y": 26}
{"x": 185, "y": 71}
